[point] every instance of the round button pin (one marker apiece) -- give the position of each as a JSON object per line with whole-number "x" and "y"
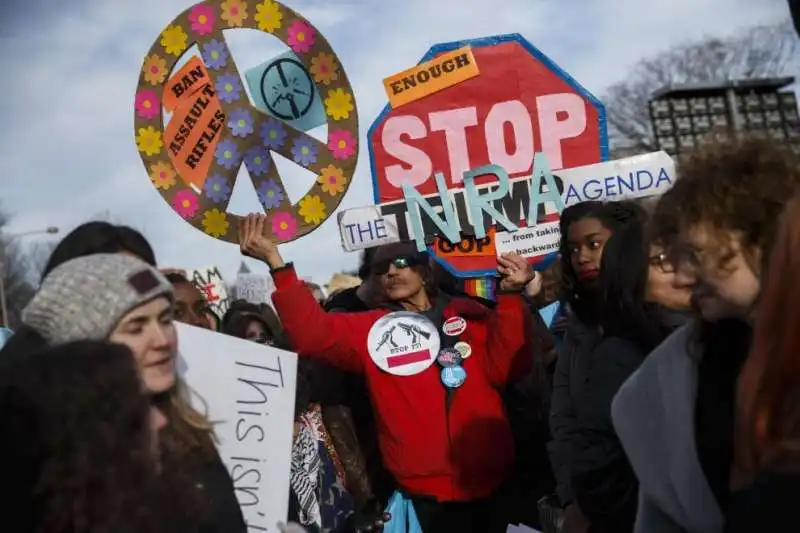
{"x": 449, "y": 357}
{"x": 464, "y": 349}
{"x": 453, "y": 376}
{"x": 454, "y": 326}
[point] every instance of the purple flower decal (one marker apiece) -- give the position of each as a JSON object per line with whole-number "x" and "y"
{"x": 215, "y": 55}
{"x": 217, "y": 189}
{"x": 273, "y": 134}
{"x": 304, "y": 152}
{"x": 270, "y": 194}
{"x": 240, "y": 123}
{"x": 228, "y": 155}
{"x": 229, "y": 88}
{"x": 257, "y": 161}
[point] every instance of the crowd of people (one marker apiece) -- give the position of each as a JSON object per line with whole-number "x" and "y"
{"x": 662, "y": 398}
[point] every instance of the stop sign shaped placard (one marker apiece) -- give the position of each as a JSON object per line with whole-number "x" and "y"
{"x": 520, "y": 103}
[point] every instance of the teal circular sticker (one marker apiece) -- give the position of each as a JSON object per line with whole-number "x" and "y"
{"x": 5, "y": 334}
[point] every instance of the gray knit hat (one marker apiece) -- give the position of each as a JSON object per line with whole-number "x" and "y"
{"x": 84, "y": 299}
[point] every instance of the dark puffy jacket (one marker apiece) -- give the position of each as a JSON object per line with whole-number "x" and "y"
{"x": 568, "y": 389}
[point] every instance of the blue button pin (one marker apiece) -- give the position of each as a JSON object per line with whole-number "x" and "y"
{"x": 453, "y": 376}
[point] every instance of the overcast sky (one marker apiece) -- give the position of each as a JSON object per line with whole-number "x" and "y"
{"x": 67, "y": 152}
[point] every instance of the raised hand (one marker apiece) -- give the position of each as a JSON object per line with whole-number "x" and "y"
{"x": 254, "y": 243}
{"x": 515, "y": 271}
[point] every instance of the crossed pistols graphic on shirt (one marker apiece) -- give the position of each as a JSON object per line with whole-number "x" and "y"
{"x": 411, "y": 330}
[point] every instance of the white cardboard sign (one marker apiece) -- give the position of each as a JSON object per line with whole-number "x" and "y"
{"x": 210, "y": 282}
{"x": 249, "y": 393}
{"x": 365, "y": 227}
{"x": 628, "y": 178}
{"x": 254, "y": 288}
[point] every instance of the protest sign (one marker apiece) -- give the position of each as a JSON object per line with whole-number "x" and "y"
{"x": 210, "y": 282}
{"x": 254, "y": 288}
{"x": 631, "y": 178}
{"x": 5, "y": 334}
{"x": 521, "y": 103}
{"x": 208, "y": 160}
{"x": 283, "y": 88}
{"x": 426, "y": 78}
{"x": 248, "y": 391}
{"x": 365, "y": 227}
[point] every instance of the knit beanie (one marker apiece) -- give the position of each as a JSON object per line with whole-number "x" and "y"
{"x": 84, "y": 299}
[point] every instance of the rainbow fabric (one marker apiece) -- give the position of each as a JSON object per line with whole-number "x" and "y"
{"x": 481, "y": 287}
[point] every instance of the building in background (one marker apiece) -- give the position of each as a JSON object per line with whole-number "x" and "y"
{"x": 684, "y": 115}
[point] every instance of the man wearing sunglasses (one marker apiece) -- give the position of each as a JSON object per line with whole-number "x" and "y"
{"x": 443, "y": 431}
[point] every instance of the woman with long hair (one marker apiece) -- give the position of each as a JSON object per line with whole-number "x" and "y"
{"x": 434, "y": 366}
{"x": 119, "y": 298}
{"x": 585, "y": 229}
{"x": 767, "y": 467}
{"x": 80, "y": 446}
{"x": 633, "y": 323}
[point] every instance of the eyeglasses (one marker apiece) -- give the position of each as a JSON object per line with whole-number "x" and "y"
{"x": 404, "y": 261}
{"x": 662, "y": 262}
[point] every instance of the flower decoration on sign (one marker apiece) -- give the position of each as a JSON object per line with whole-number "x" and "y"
{"x": 147, "y": 104}
{"x": 257, "y": 161}
{"x": 273, "y": 134}
{"x": 228, "y": 155}
{"x": 215, "y": 222}
{"x": 229, "y": 88}
{"x": 185, "y": 203}
{"x": 162, "y": 175}
{"x": 301, "y": 36}
{"x": 324, "y": 68}
{"x": 268, "y": 16}
{"x": 234, "y": 12}
{"x": 202, "y": 19}
{"x": 155, "y": 70}
{"x": 270, "y": 194}
{"x": 240, "y": 123}
{"x": 174, "y": 40}
{"x": 342, "y": 144}
{"x": 284, "y": 225}
{"x": 148, "y": 140}
{"x": 217, "y": 188}
{"x": 339, "y": 104}
{"x": 215, "y": 54}
{"x": 303, "y": 151}
{"x": 332, "y": 180}
{"x": 312, "y": 209}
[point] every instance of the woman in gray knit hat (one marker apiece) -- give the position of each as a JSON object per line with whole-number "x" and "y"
{"x": 122, "y": 299}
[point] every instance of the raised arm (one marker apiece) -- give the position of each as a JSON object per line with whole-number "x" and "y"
{"x": 337, "y": 339}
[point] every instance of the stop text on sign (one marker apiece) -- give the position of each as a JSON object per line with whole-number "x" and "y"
{"x": 507, "y": 131}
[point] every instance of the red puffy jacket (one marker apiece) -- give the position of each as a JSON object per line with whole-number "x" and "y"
{"x": 461, "y": 456}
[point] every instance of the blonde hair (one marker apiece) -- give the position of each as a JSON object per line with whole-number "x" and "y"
{"x": 188, "y": 428}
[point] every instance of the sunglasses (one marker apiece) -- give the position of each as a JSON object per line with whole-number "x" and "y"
{"x": 401, "y": 262}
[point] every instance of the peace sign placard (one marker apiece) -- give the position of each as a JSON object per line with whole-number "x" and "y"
{"x": 222, "y": 130}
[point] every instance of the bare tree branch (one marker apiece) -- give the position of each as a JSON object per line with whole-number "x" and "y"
{"x": 757, "y": 52}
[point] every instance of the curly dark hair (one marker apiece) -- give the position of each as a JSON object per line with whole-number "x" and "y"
{"x": 736, "y": 186}
{"x": 77, "y": 447}
{"x": 613, "y": 216}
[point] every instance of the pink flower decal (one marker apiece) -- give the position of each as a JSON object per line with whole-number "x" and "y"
{"x": 185, "y": 203}
{"x": 342, "y": 144}
{"x": 301, "y": 36}
{"x": 202, "y": 19}
{"x": 147, "y": 104}
{"x": 284, "y": 225}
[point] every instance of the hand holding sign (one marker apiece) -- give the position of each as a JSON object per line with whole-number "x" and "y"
{"x": 516, "y": 272}
{"x": 254, "y": 243}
